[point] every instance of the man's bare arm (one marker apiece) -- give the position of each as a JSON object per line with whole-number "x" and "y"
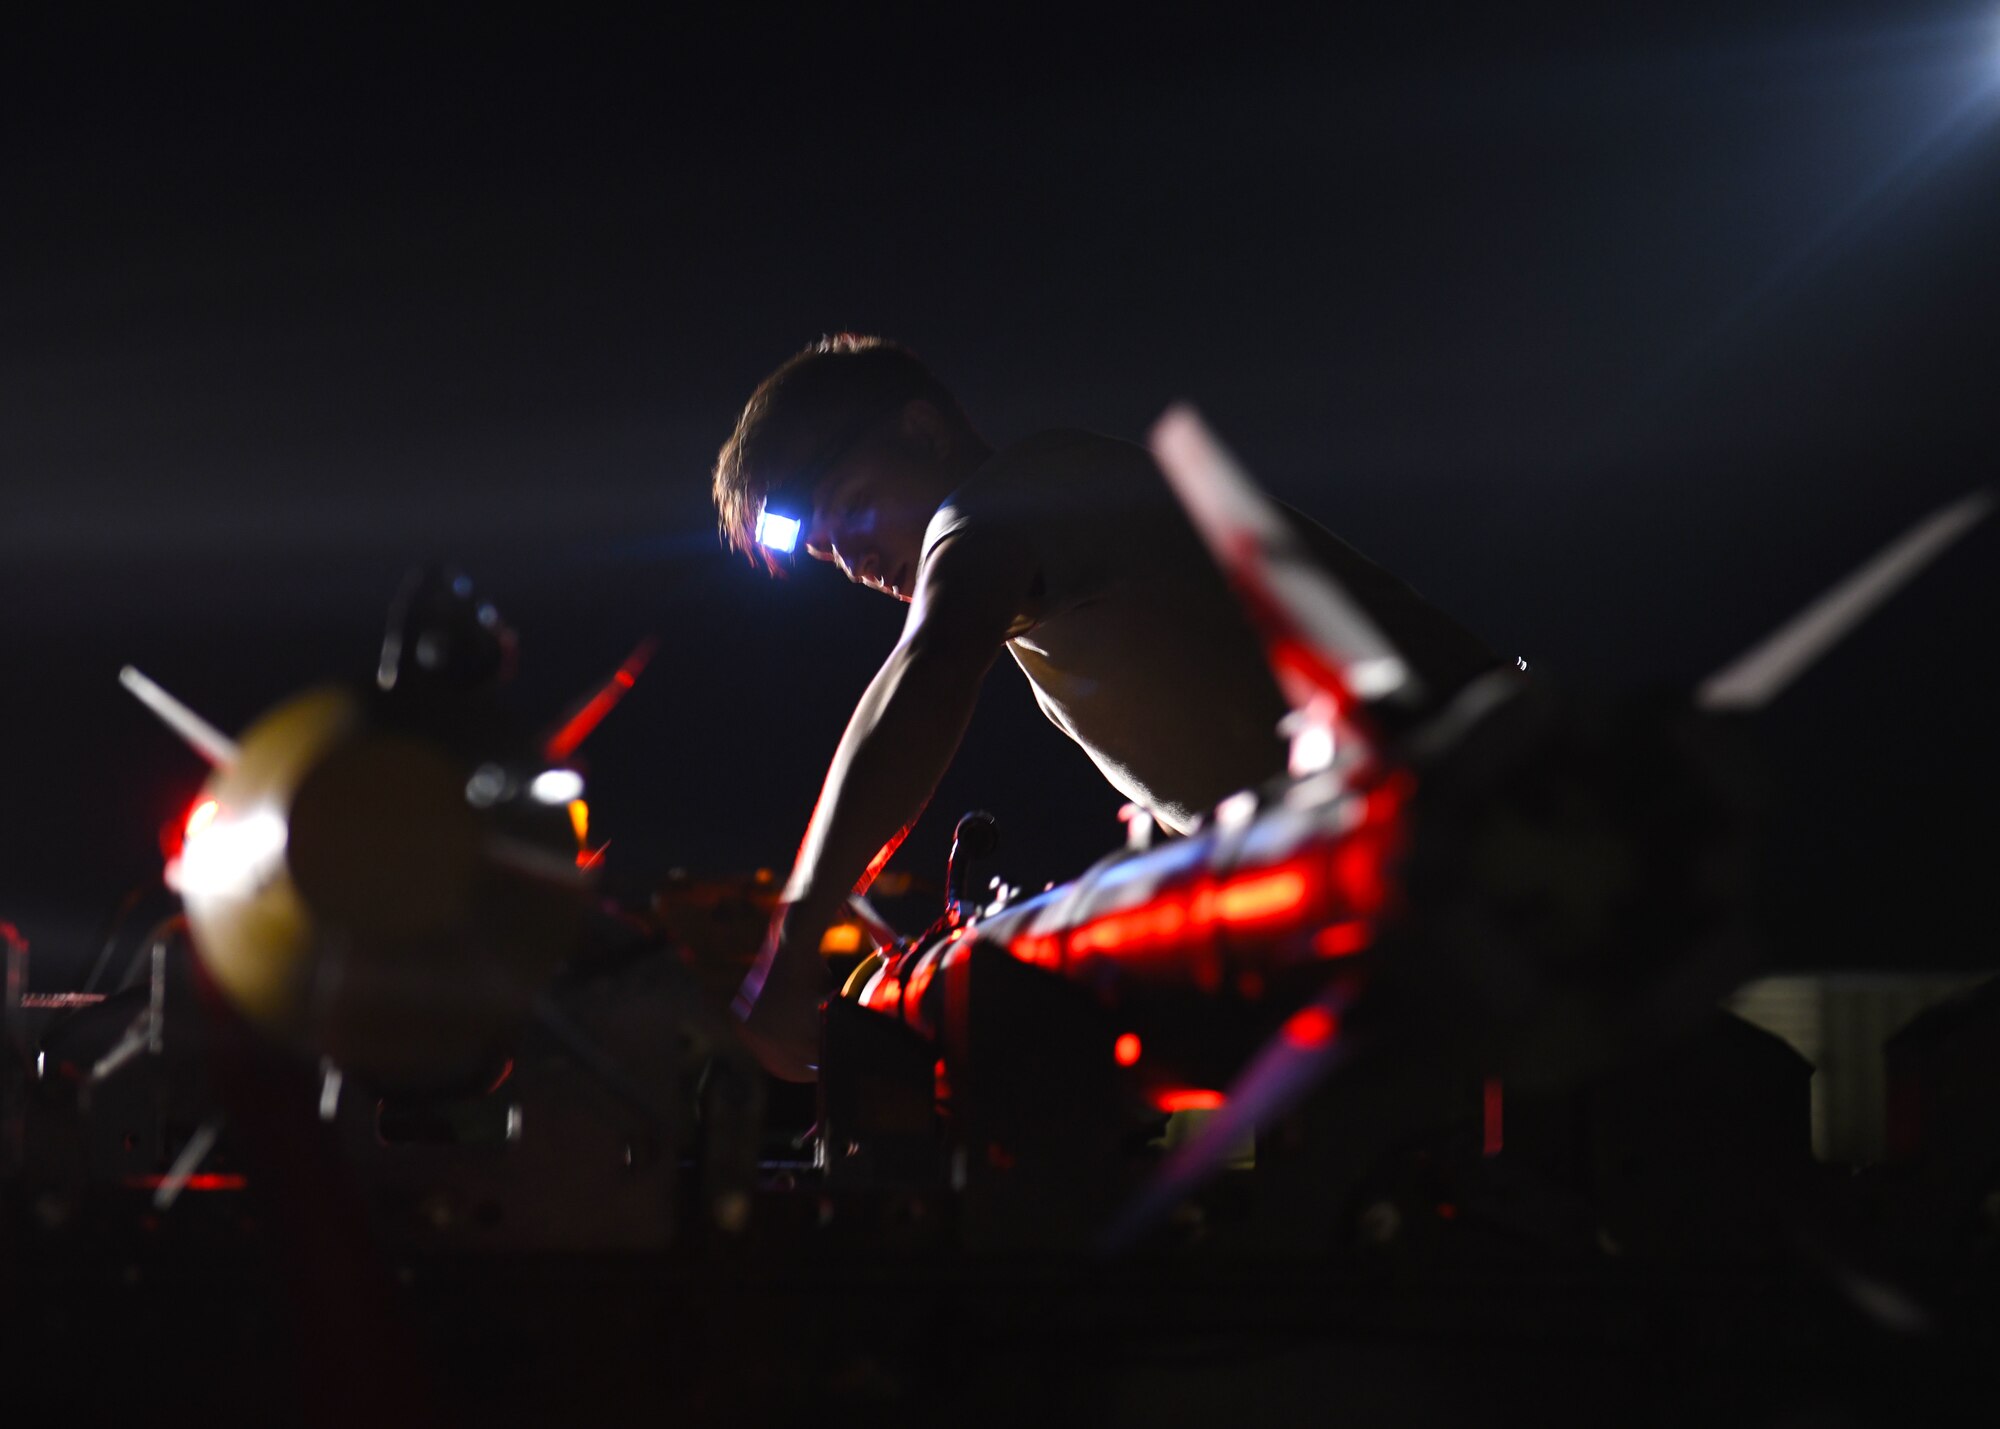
{"x": 897, "y": 746}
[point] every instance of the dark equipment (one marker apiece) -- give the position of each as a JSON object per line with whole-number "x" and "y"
{"x": 1405, "y": 1068}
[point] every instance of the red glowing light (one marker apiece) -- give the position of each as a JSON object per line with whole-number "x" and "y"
{"x": 578, "y": 727}
{"x": 1183, "y": 914}
{"x": 1360, "y": 862}
{"x": 1339, "y": 940}
{"x": 1386, "y": 800}
{"x": 1447, "y": 1211}
{"x": 881, "y": 859}
{"x": 889, "y": 997}
{"x": 1357, "y": 871}
{"x": 201, "y": 1181}
{"x": 1042, "y": 949}
{"x": 1494, "y": 1105}
{"x": 1189, "y": 1099}
{"x": 921, "y": 979}
{"x": 1150, "y": 923}
{"x": 1125, "y": 1051}
{"x": 1311, "y": 1027}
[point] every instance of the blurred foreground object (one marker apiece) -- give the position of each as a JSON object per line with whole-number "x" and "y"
{"x": 379, "y": 875}
{"x": 1451, "y": 903}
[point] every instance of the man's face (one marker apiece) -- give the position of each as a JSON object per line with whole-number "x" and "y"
{"x": 870, "y": 510}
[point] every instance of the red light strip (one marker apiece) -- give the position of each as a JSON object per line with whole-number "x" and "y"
{"x": 1265, "y": 896}
{"x": 1150, "y": 923}
{"x": 1356, "y": 870}
{"x": 578, "y": 727}
{"x": 1189, "y": 1099}
{"x": 881, "y": 859}
{"x": 202, "y": 1181}
{"x": 1493, "y": 1100}
{"x": 920, "y": 980}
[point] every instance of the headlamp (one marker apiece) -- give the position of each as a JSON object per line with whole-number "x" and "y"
{"x": 777, "y": 532}
{"x": 778, "y": 527}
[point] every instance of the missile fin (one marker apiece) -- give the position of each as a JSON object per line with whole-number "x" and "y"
{"x": 201, "y": 736}
{"x": 1761, "y": 673}
{"x": 1317, "y": 637}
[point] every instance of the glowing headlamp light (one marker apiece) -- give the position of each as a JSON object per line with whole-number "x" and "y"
{"x": 777, "y": 533}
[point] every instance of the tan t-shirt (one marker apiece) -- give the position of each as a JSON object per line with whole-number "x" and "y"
{"x": 1134, "y": 646}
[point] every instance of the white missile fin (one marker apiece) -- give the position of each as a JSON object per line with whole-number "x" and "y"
{"x": 1760, "y": 674}
{"x": 1259, "y": 551}
{"x": 201, "y": 736}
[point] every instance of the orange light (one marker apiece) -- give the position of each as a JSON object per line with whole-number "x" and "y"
{"x": 579, "y": 819}
{"x": 1189, "y": 1099}
{"x": 1311, "y": 1027}
{"x": 1338, "y": 940}
{"x": 841, "y": 938}
{"x": 201, "y": 816}
{"x": 1125, "y": 1051}
{"x": 921, "y": 979}
{"x": 1261, "y": 895}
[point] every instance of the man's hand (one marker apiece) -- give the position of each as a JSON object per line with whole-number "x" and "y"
{"x": 901, "y": 737}
{"x": 777, "y": 1008}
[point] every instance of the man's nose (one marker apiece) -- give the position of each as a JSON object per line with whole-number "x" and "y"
{"x": 833, "y": 543}
{"x": 822, "y": 541}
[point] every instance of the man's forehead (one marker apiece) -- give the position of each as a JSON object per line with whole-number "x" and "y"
{"x": 801, "y": 489}
{"x": 805, "y": 462}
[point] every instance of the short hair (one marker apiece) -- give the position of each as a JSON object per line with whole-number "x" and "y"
{"x": 816, "y": 394}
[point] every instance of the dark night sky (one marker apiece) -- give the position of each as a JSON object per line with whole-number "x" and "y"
{"x": 1619, "y": 337}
